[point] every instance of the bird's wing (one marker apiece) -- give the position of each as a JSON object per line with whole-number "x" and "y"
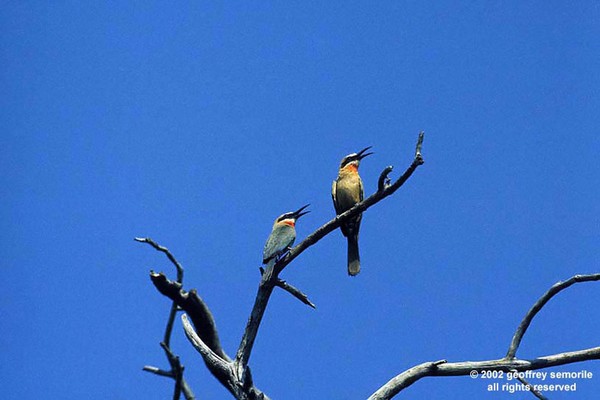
{"x": 279, "y": 240}
{"x": 361, "y": 192}
{"x": 334, "y": 197}
{"x": 361, "y": 195}
{"x": 269, "y": 250}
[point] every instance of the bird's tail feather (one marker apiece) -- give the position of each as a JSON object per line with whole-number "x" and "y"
{"x": 353, "y": 256}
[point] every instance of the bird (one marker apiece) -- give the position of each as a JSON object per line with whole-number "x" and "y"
{"x": 346, "y": 191}
{"x": 281, "y": 239}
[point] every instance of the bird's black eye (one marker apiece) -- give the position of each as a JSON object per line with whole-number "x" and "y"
{"x": 348, "y": 159}
{"x": 285, "y": 216}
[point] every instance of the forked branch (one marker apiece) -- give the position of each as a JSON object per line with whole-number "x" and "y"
{"x": 176, "y": 371}
{"x": 508, "y": 363}
{"x": 205, "y": 338}
{"x": 440, "y": 368}
{"x": 554, "y": 290}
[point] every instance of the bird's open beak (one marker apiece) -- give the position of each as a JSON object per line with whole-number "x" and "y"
{"x": 300, "y": 213}
{"x": 361, "y": 154}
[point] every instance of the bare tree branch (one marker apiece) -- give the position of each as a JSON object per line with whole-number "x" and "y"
{"x": 167, "y": 253}
{"x": 405, "y": 379}
{"x": 158, "y": 371}
{"x": 218, "y": 364}
{"x": 265, "y": 288}
{"x": 294, "y": 292}
{"x": 419, "y": 145}
{"x": 206, "y": 337}
{"x": 508, "y": 363}
{"x": 200, "y": 315}
{"x": 177, "y": 371}
{"x": 195, "y": 307}
{"x": 410, "y": 376}
{"x": 176, "y": 367}
{"x": 554, "y": 290}
{"x": 291, "y": 290}
{"x": 530, "y": 387}
{"x": 384, "y": 180}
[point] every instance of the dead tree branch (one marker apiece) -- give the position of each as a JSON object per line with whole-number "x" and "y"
{"x": 506, "y": 364}
{"x": 531, "y": 388}
{"x": 294, "y": 292}
{"x": 204, "y": 337}
{"x": 291, "y": 290}
{"x": 176, "y": 371}
{"x": 195, "y": 307}
{"x": 554, "y": 290}
{"x": 384, "y": 180}
{"x": 410, "y": 376}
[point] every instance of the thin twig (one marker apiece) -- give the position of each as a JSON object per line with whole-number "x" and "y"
{"x": 177, "y": 372}
{"x": 173, "y": 311}
{"x": 384, "y": 180}
{"x": 554, "y": 290}
{"x": 170, "y": 322}
{"x": 158, "y": 371}
{"x": 291, "y": 290}
{"x": 294, "y": 292}
{"x": 167, "y": 253}
{"x": 419, "y": 146}
{"x": 530, "y": 387}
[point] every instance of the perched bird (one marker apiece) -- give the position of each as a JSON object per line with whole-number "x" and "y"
{"x": 346, "y": 191}
{"x": 281, "y": 238}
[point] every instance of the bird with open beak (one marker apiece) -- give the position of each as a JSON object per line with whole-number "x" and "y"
{"x": 281, "y": 239}
{"x": 346, "y": 191}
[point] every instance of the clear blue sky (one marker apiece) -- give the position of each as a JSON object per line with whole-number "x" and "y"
{"x": 197, "y": 124}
